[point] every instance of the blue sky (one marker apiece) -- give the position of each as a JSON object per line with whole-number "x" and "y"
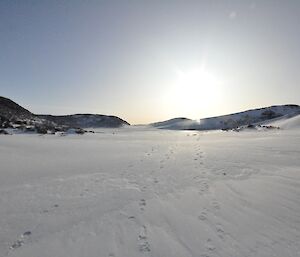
{"x": 149, "y": 60}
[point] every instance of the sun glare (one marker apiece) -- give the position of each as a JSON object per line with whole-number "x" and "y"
{"x": 196, "y": 89}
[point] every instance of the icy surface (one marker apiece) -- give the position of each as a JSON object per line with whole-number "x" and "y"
{"x": 138, "y": 192}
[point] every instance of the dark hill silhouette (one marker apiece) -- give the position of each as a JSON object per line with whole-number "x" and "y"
{"x": 12, "y": 112}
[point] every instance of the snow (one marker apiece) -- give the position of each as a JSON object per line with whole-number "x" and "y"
{"x": 248, "y": 117}
{"x": 136, "y": 191}
{"x": 256, "y": 116}
{"x": 287, "y": 122}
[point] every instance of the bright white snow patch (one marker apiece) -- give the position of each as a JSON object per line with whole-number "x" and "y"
{"x": 137, "y": 192}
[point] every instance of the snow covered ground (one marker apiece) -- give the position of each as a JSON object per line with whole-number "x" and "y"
{"x": 148, "y": 192}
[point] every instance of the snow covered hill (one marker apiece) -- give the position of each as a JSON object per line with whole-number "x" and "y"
{"x": 230, "y": 121}
{"x": 176, "y": 123}
{"x": 15, "y": 116}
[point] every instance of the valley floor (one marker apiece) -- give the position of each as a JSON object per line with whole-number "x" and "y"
{"x": 141, "y": 192}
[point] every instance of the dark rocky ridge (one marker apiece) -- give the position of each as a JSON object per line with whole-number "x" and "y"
{"x": 86, "y": 120}
{"x": 13, "y": 115}
{"x": 10, "y": 110}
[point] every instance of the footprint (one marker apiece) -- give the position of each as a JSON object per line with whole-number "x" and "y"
{"x": 142, "y": 204}
{"x": 19, "y": 242}
{"x": 202, "y": 216}
{"x": 144, "y": 245}
{"x": 143, "y": 233}
{"x": 220, "y": 231}
{"x": 209, "y": 245}
{"x": 50, "y": 209}
{"x": 204, "y": 186}
{"x": 16, "y": 244}
{"x": 216, "y": 205}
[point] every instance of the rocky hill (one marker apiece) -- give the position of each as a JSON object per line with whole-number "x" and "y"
{"x": 11, "y": 111}
{"x": 86, "y": 120}
{"x": 14, "y": 116}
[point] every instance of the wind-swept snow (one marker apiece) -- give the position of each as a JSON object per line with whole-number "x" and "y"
{"x": 138, "y": 192}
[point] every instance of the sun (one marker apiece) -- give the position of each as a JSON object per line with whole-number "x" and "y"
{"x": 196, "y": 89}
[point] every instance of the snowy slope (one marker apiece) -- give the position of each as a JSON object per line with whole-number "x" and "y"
{"x": 286, "y": 122}
{"x": 176, "y": 123}
{"x": 135, "y": 192}
{"x": 249, "y": 117}
{"x": 233, "y": 120}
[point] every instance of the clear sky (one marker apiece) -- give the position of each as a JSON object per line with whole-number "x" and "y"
{"x": 152, "y": 60}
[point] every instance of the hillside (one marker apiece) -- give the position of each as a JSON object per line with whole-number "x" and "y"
{"x": 10, "y": 110}
{"x": 234, "y": 120}
{"x": 176, "y": 123}
{"x": 286, "y": 122}
{"x": 15, "y": 116}
{"x": 86, "y": 120}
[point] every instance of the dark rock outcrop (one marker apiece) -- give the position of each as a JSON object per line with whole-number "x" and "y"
{"x": 15, "y": 116}
{"x": 86, "y": 120}
{"x": 3, "y": 132}
{"x": 12, "y": 111}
